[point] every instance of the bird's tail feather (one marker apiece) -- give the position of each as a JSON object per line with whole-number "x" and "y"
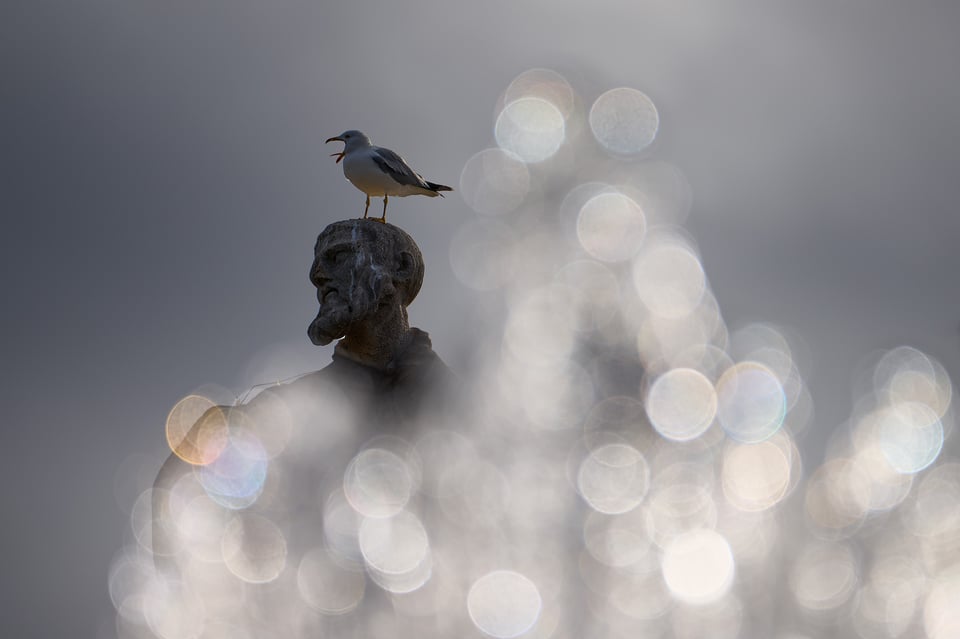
{"x": 436, "y": 188}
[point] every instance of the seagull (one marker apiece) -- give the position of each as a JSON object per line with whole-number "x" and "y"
{"x": 379, "y": 171}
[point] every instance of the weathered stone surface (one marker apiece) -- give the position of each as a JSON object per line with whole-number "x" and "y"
{"x": 366, "y": 274}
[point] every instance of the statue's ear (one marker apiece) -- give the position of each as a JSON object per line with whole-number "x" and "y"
{"x": 406, "y": 265}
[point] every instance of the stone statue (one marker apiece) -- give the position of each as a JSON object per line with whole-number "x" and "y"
{"x": 365, "y": 276}
{"x": 384, "y": 380}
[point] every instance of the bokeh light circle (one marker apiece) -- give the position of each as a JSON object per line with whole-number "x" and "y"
{"x": 545, "y": 84}
{"x": 751, "y": 402}
{"x": 698, "y": 566}
{"x": 934, "y": 511}
{"x": 530, "y": 128}
{"x": 377, "y": 483}
{"x": 197, "y": 430}
{"x": 836, "y": 500}
{"x": 173, "y": 609}
{"x": 504, "y": 604}
{"x": 611, "y": 227}
{"x": 616, "y": 540}
{"x": 681, "y": 404}
{"x": 905, "y": 374}
{"x": 624, "y": 121}
{"x": 756, "y": 476}
{"x": 341, "y": 526}
{"x": 151, "y": 511}
{"x": 236, "y": 477}
{"x": 885, "y": 487}
{"x": 941, "y": 614}
{"x": 129, "y": 575}
{"x": 254, "y": 549}
{"x": 681, "y": 500}
{"x": 911, "y": 436}
{"x": 669, "y": 278}
{"x": 327, "y": 585}
{"x": 394, "y": 546}
{"x": 200, "y": 524}
{"x": 494, "y": 182}
{"x": 824, "y": 576}
{"x": 891, "y": 595}
{"x": 614, "y": 478}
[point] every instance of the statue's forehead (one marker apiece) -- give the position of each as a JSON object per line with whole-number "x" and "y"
{"x": 362, "y": 239}
{"x": 341, "y": 235}
{"x": 326, "y": 244}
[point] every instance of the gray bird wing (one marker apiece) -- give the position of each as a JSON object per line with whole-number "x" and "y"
{"x": 394, "y": 165}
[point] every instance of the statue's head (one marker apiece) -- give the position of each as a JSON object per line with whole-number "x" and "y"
{"x": 363, "y": 269}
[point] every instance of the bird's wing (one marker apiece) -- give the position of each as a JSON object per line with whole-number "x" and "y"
{"x": 392, "y": 164}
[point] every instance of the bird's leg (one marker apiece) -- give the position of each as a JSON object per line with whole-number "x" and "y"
{"x": 368, "y": 207}
{"x": 384, "y": 218}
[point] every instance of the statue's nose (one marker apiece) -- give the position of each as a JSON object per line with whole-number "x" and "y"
{"x": 318, "y": 276}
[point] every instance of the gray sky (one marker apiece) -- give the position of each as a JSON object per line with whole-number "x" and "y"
{"x": 164, "y": 176}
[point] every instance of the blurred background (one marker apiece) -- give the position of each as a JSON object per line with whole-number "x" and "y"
{"x": 733, "y": 196}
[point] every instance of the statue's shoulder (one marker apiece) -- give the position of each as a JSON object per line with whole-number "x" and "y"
{"x": 340, "y": 376}
{"x": 423, "y": 381}
{"x": 419, "y": 360}
{"x": 417, "y": 378}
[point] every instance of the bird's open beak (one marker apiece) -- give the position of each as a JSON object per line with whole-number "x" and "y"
{"x": 339, "y": 155}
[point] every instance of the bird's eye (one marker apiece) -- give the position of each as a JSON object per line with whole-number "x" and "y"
{"x": 346, "y": 137}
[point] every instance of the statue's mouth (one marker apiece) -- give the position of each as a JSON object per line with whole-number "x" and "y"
{"x": 327, "y": 293}
{"x": 332, "y": 317}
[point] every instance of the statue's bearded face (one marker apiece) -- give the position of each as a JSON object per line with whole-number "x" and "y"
{"x": 351, "y": 281}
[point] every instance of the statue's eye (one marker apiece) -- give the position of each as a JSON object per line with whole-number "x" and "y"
{"x": 336, "y": 256}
